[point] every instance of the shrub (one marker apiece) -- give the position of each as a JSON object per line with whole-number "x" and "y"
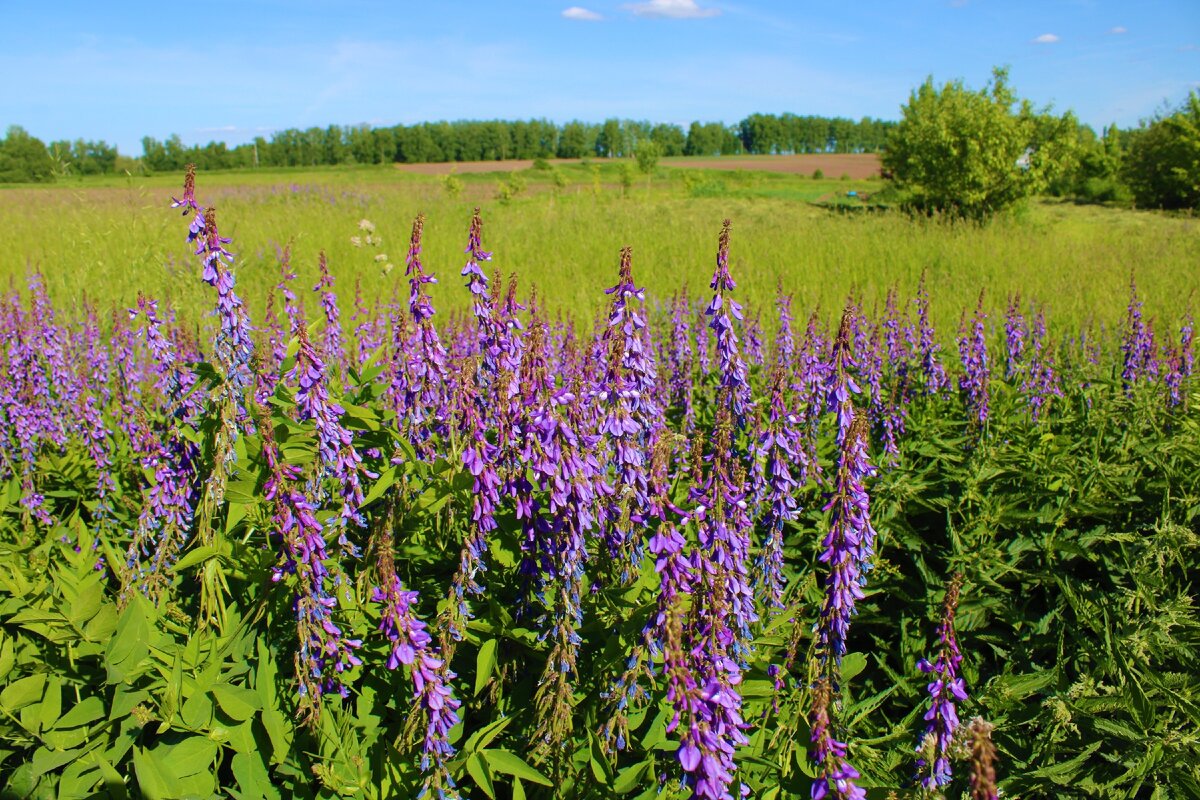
{"x": 969, "y": 154}
{"x": 1162, "y": 166}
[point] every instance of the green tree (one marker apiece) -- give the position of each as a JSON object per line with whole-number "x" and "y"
{"x": 1162, "y": 165}
{"x": 969, "y": 153}
{"x": 647, "y": 156}
{"x": 24, "y": 158}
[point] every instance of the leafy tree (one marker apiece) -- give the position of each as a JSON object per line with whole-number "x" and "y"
{"x": 669, "y": 139}
{"x": 647, "y": 156}
{"x": 611, "y": 141}
{"x": 970, "y": 154}
{"x": 574, "y": 141}
{"x": 24, "y": 159}
{"x": 1162, "y": 166}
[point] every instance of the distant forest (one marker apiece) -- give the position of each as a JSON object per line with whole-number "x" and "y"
{"x": 470, "y": 140}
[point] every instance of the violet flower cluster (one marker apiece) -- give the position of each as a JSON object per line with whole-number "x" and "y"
{"x": 325, "y": 654}
{"x": 1140, "y": 354}
{"x": 723, "y": 312}
{"x": 945, "y": 688}
{"x": 974, "y": 382}
{"x": 628, "y": 417}
{"x": 431, "y": 678}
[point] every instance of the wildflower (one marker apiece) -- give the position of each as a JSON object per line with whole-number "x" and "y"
{"x": 836, "y": 778}
{"x": 932, "y": 370}
{"x": 629, "y": 417}
{"x": 724, "y": 311}
{"x": 976, "y": 373}
{"x": 945, "y": 688}
{"x": 849, "y": 545}
{"x": 431, "y": 677}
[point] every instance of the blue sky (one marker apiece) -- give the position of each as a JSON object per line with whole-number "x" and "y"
{"x": 233, "y": 70}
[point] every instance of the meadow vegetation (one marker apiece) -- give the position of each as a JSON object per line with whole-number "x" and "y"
{"x": 587, "y": 495}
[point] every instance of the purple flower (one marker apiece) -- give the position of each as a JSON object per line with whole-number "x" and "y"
{"x": 325, "y": 654}
{"x": 331, "y": 343}
{"x": 723, "y": 312}
{"x": 1015, "y": 334}
{"x": 425, "y": 399}
{"x": 169, "y": 502}
{"x": 836, "y": 778}
{"x": 336, "y": 453}
{"x": 945, "y": 688}
{"x": 431, "y": 676}
{"x": 1137, "y": 344}
{"x": 1041, "y": 381}
{"x": 779, "y": 453}
{"x": 849, "y": 545}
{"x": 932, "y": 370}
{"x": 628, "y": 416}
{"x": 972, "y": 349}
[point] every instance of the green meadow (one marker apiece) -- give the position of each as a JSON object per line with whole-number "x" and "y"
{"x": 561, "y": 229}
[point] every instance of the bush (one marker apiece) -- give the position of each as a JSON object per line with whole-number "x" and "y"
{"x": 24, "y": 158}
{"x": 818, "y": 174}
{"x": 969, "y": 154}
{"x": 1162, "y": 166}
{"x": 453, "y": 185}
{"x": 647, "y": 157}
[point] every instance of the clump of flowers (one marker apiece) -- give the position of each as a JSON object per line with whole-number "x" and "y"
{"x": 945, "y": 688}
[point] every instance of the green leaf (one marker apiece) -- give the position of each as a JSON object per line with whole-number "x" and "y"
{"x": 45, "y": 759}
{"x": 484, "y": 736}
{"x": 192, "y": 756}
{"x": 86, "y": 604}
{"x": 509, "y": 763}
{"x": 631, "y": 777}
{"x": 852, "y": 665}
{"x": 23, "y": 692}
{"x": 252, "y": 776}
{"x": 238, "y": 702}
{"x": 197, "y": 555}
{"x": 129, "y": 645}
{"x": 154, "y": 780}
{"x": 479, "y": 771}
{"x": 485, "y": 665}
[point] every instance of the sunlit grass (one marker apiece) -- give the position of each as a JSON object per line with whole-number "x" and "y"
{"x": 113, "y": 237}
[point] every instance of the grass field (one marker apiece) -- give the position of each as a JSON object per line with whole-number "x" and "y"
{"x": 112, "y": 237}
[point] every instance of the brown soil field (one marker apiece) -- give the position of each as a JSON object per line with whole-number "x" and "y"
{"x": 857, "y": 165}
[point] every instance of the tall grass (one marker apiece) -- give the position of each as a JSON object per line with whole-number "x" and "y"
{"x": 111, "y": 240}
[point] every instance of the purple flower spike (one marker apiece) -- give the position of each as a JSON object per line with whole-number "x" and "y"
{"x": 331, "y": 343}
{"x": 933, "y": 371}
{"x": 724, "y": 312}
{"x": 782, "y": 458}
{"x": 431, "y": 677}
{"x": 836, "y": 779}
{"x": 972, "y": 348}
{"x": 849, "y": 545}
{"x": 629, "y": 418}
{"x": 945, "y": 688}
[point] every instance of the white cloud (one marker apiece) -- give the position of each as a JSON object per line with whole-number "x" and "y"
{"x": 1119, "y": 30}
{"x": 581, "y": 14}
{"x": 672, "y": 9}
{"x": 1046, "y": 38}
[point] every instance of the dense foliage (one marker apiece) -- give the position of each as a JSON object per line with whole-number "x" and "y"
{"x": 1162, "y": 166}
{"x": 969, "y": 153}
{"x": 502, "y": 557}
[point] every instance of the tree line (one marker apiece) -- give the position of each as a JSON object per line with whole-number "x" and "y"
{"x": 954, "y": 149}
{"x": 463, "y": 140}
